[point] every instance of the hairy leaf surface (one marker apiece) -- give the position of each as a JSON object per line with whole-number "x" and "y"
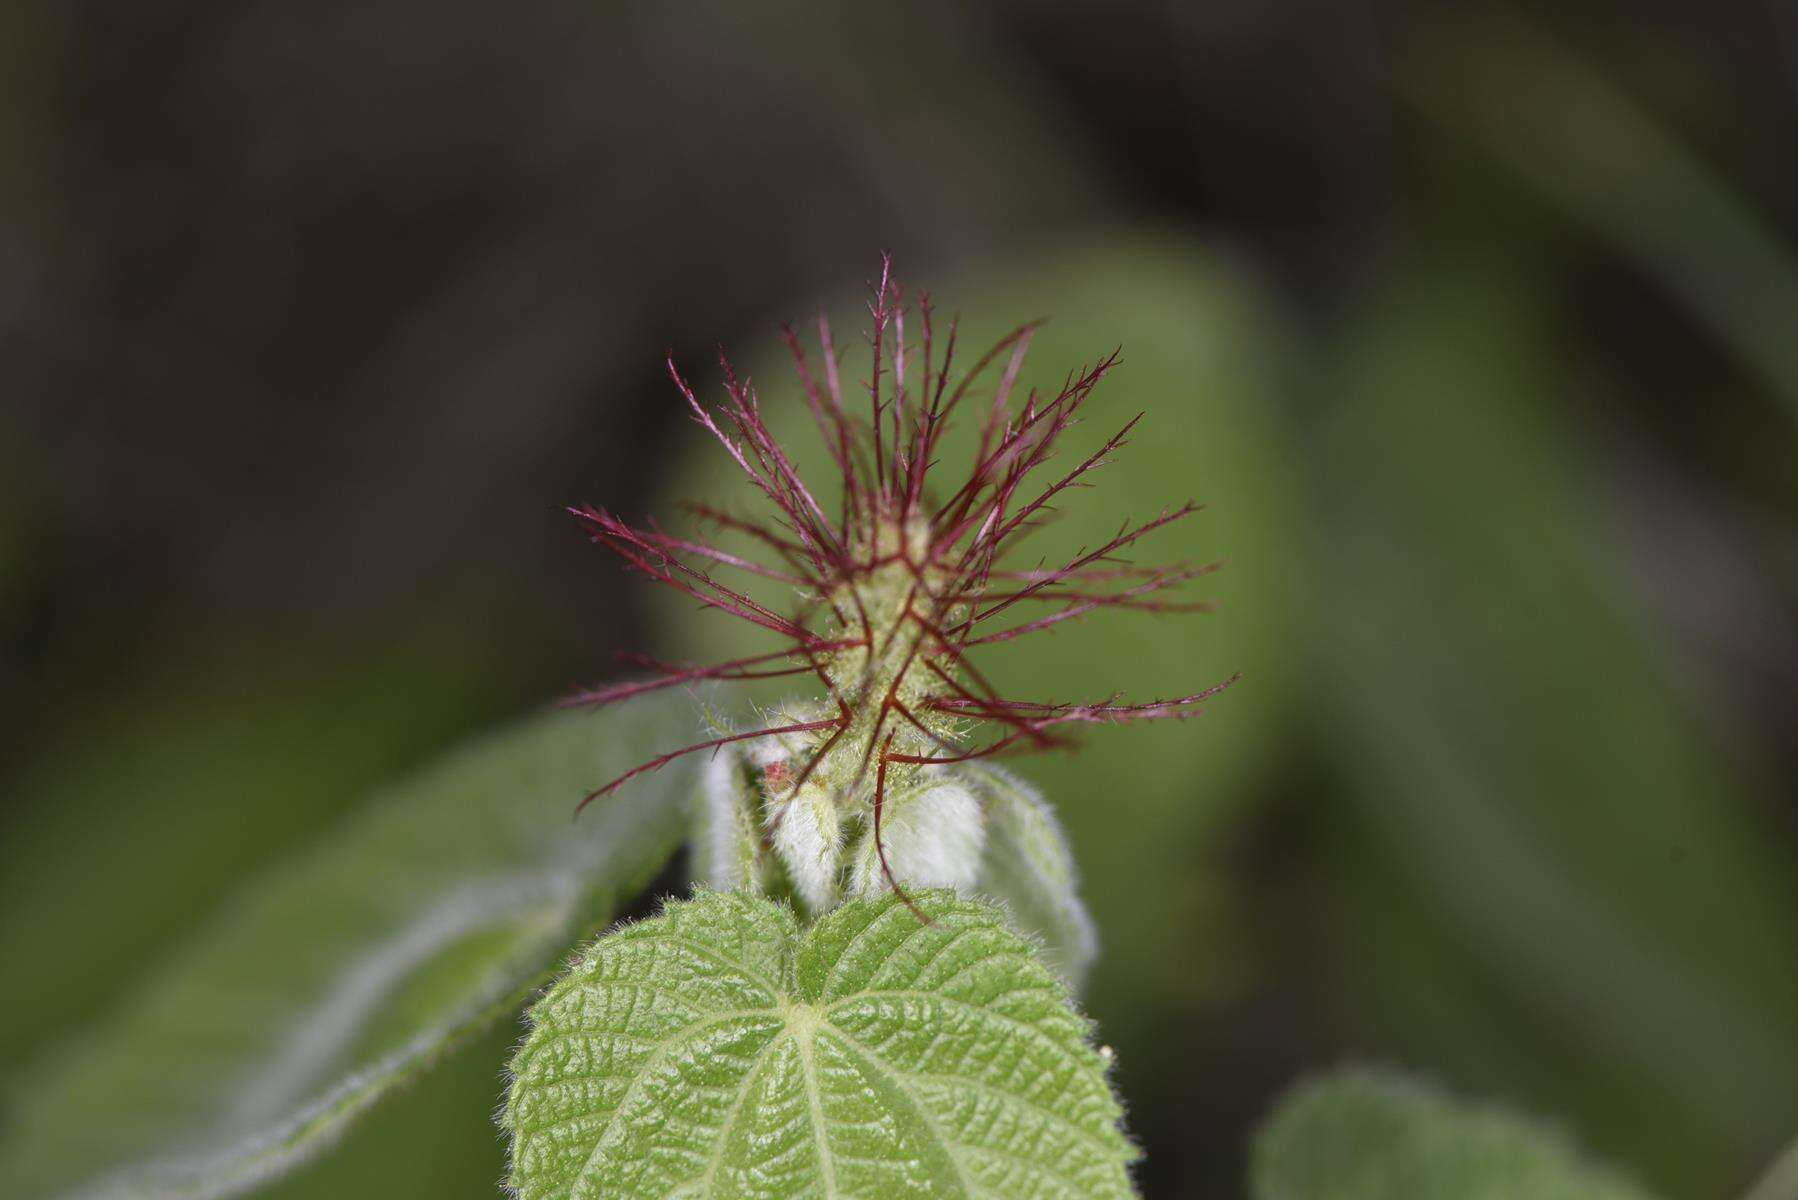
{"x": 1369, "y": 1135}
{"x": 717, "y": 1052}
{"x": 1030, "y": 867}
{"x": 428, "y": 915}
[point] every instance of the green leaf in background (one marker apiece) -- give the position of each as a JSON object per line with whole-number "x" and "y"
{"x": 1655, "y": 200}
{"x": 715, "y": 1052}
{"x": 1373, "y": 1135}
{"x": 1548, "y": 851}
{"x": 425, "y": 917}
{"x": 144, "y": 795}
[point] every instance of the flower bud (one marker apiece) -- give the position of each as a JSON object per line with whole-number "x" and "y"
{"x": 934, "y": 835}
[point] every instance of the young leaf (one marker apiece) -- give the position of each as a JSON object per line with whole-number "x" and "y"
{"x": 428, "y": 915}
{"x": 716, "y": 1052}
{"x": 1031, "y": 869}
{"x": 1371, "y": 1135}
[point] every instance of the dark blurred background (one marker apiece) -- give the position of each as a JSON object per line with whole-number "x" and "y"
{"x": 1476, "y": 326}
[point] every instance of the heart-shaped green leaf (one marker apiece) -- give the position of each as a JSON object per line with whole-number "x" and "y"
{"x": 717, "y": 1052}
{"x": 429, "y": 914}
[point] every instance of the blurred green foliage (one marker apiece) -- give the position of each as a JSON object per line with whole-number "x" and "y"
{"x": 179, "y": 785}
{"x": 1594, "y": 153}
{"x": 349, "y": 971}
{"x": 1531, "y": 805}
{"x": 1372, "y": 1135}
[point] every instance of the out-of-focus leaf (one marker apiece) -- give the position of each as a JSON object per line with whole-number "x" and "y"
{"x": 1548, "y": 818}
{"x": 980, "y": 134}
{"x": 433, "y": 1137}
{"x": 1590, "y": 148}
{"x": 1780, "y": 1180}
{"x": 1368, "y": 1135}
{"x": 181, "y": 783}
{"x": 347, "y": 972}
{"x": 716, "y": 1051}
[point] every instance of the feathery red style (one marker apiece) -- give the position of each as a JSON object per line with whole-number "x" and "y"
{"x": 902, "y": 577}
